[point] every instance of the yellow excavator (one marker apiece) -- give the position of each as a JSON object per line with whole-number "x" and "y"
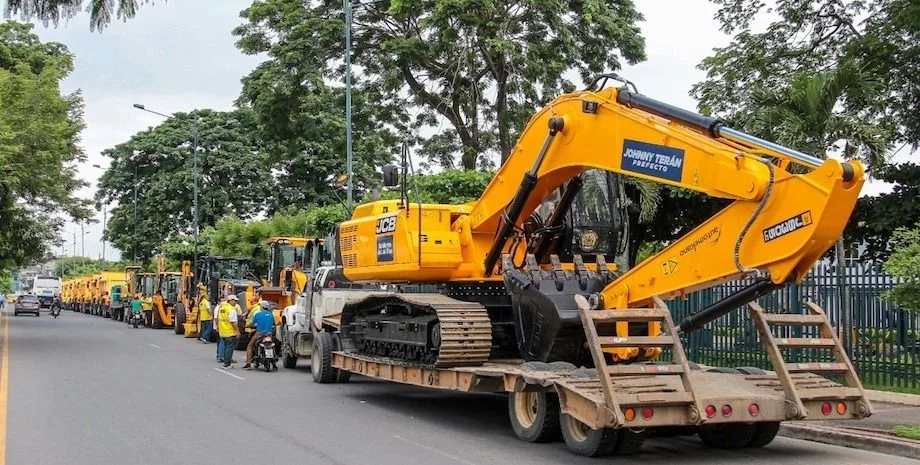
{"x": 525, "y": 272}
{"x": 290, "y": 264}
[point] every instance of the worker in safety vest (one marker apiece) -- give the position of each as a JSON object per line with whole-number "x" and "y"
{"x": 227, "y": 329}
{"x": 204, "y": 318}
{"x": 148, "y": 311}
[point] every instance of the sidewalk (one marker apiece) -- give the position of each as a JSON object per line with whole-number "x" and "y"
{"x": 874, "y": 433}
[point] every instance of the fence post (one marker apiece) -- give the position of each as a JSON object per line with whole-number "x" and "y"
{"x": 846, "y": 314}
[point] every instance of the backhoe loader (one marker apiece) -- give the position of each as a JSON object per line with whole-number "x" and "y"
{"x": 525, "y": 272}
{"x": 222, "y": 276}
{"x": 289, "y": 268}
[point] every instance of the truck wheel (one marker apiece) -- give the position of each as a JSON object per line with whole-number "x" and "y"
{"x": 727, "y": 435}
{"x": 156, "y": 321}
{"x": 180, "y": 319}
{"x": 587, "y": 442}
{"x": 534, "y": 415}
{"x": 764, "y": 433}
{"x": 321, "y": 360}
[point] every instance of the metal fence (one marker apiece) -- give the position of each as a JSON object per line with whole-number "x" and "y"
{"x": 883, "y": 341}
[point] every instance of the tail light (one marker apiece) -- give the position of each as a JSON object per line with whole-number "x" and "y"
{"x": 629, "y": 414}
{"x": 826, "y": 408}
{"x": 710, "y": 411}
{"x": 648, "y": 413}
{"x": 841, "y": 408}
{"x": 754, "y": 410}
{"x": 726, "y": 410}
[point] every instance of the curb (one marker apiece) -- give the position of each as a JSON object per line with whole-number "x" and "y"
{"x": 893, "y": 397}
{"x": 856, "y": 439}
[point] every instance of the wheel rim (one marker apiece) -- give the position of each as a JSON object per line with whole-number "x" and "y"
{"x": 525, "y": 408}
{"x": 577, "y": 430}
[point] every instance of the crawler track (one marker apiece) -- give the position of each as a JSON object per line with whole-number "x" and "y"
{"x": 444, "y": 332}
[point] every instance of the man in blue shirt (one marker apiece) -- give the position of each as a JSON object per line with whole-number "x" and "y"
{"x": 264, "y": 323}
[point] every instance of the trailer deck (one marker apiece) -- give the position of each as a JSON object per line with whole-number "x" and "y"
{"x": 668, "y": 394}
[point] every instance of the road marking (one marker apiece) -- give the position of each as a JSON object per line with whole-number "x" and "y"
{"x": 432, "y": 449}
{"x": 4, "y": 384}
{"x": 154, "y": 346}
{"x": 220, "y": 370}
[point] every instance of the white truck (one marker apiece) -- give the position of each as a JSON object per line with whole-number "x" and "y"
{"x": 309, "y": 328}
{"x": 46, "y": 287}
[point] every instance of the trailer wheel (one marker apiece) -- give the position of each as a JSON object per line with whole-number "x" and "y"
{"x": 764, "y": 433}
{"x": 180, "y": 319}
{"x": 629, "y": 442}
{"x": 727, "y": 435}
{"x": 321, "y": 360}
{"x": 587, "y": 442}
{"x": 534, "y": 415}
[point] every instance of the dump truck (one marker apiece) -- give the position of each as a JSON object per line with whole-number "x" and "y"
{"x": 528, "y": 301}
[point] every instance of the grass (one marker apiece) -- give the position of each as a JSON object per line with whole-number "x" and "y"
{"x": 907, "y": 432}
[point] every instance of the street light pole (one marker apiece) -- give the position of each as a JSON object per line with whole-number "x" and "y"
{"x": 134, "y": 234}
{"x": 195, "y": 199}
{"x": 348, "y": 152}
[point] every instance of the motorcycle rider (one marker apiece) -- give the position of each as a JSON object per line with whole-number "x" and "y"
{"x": 264, "y": 323}
{"x": 56, "y": 305}
{"x": 136, "y": 306}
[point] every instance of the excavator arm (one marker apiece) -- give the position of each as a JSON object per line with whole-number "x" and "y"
{"x": 780, "y": 223}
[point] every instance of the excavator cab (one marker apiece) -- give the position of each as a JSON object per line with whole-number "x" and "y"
{"x": 586, "y": 217}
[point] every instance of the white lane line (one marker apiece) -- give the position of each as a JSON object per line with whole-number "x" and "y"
{"x": 154, "y": 346}
{"x": 432, "y": 449}
{"x": 229, "y": 374}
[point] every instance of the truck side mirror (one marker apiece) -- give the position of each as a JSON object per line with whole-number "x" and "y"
{"x": 390, "y": 175}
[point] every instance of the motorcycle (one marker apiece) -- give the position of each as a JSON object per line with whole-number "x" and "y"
{"x": 136, "y": 319}
{"x": 266, "y": 355}
{"x": 55, "y": 311}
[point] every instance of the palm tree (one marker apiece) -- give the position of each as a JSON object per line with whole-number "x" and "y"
{"x": 54, "y": 11}
{"x": 815, "y": 114}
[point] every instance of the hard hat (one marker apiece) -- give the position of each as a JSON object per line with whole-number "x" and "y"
{"x": 233, "y": 297}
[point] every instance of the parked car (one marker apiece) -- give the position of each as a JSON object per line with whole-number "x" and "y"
{"x": 27, "y": 304}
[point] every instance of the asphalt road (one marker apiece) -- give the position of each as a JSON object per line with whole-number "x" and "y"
{"x": 89, "y": 391}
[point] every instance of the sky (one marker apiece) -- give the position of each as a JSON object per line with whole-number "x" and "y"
{"x": 180, "y": 55}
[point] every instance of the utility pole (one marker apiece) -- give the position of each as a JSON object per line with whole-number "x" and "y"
{"x": 134, "y": 234}
{"x": 348, "y": 153}
{"x": 195, "y": 200}
{"x": 103, "y": 232}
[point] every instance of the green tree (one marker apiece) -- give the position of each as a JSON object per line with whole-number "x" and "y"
{"x": 904, "y": 263}
{"x": 812, "y": 36}
{"x": 80, "y": 266}
{"x": 876, "y": 218}
{"x": 101, "y": 12}
{"x": 6, "y": 283}
{"x": 39, "y": 131}
{"x": 235, "y": 177}
{"x": 481, "y": 67}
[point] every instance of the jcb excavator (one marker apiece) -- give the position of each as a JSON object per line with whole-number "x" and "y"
{"x": 523, "y": 274}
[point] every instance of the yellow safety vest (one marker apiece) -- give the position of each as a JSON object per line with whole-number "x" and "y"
{"x": 204, "y": 310}
{"x": 225, "y": 327}
{"x": 148, "y": 304}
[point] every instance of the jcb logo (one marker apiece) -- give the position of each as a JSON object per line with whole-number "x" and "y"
{"x": 386, "y": 225}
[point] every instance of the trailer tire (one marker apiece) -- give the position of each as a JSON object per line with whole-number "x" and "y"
{"x": 288, "y": 360}
{"x": 764, "y": 433}
{"x": 180, "y": 319}
{"x": 584, "y": 441}
{"x": 727, "y": 435}
{"x": 321, "y": 366}
{"x": 629, "y": 442}
{"x": 534, "y": 415}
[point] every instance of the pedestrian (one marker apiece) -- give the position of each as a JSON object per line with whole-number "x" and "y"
{"x": 2, "y": 300}
{"x": 204, "y": 319}
{"x": 148, "y": 311}
{"x": 227, "y": 329}
{"x": 220, "y": 342}
{"x": 261, "y": 323}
